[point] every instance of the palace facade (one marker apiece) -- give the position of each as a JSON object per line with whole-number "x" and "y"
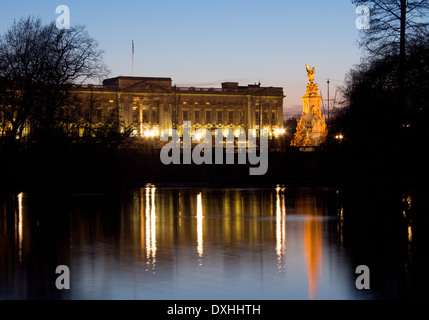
{"x": 148, "y": 106}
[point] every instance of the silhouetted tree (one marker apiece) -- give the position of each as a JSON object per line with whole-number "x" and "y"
{"x": 39, "y": 66}
{"x": 393, "y": 25}
{"x": 367, "y": 121}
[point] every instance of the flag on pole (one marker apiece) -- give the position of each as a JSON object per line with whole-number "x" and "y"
{"x": 133, "y": 58}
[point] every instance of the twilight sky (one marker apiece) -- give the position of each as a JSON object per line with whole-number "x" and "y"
{"x": 206, "y": 42}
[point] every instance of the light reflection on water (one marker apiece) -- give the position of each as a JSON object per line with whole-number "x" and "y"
{"x": 184, "y": 243}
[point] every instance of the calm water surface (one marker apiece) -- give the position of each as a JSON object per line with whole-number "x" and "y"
{"x": 184, "y": 243}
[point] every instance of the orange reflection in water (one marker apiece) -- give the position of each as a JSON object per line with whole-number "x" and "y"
{"x": 313, "y": 241}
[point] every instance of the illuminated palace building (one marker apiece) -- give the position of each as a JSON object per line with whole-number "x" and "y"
{"x": 148, "y": 106}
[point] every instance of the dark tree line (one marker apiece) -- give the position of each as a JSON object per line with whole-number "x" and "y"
{"x": 395, "y": 26}
{"x": 40, "y": 66}
{"x": 369, "y": 120}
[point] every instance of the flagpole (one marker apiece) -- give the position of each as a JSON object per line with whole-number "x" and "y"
{"x": 133, "y": 59}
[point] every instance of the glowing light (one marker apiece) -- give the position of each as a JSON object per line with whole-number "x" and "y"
{"x": 150, "y": 226}
{"x": 313, "y": 244}
{"x": 141, "y": 219}
{"x": 280, "y": 228}
{"x": 238, "y": 133}
{"x": 20, "y": 227}
{"x": 339, "y": 137}
{"x": 279, "y": 132}
{"x": 200, "y": 240}
{"x": 198, "y": 136}
{"x": 151, "y": 133}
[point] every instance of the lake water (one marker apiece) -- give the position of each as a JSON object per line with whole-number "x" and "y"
{"x": 160, "y": 242}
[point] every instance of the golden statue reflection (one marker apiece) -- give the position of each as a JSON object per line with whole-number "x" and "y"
{"x": 313, "y": 241}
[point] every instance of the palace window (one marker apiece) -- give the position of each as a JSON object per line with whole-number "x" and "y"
{"x": 230, "y": 117}
{"x": 273, "y": 116}
{"x": 208, "y": 116}
{"x": 219, "y": 116}
{"x": 185, "y": 115}
{"x": 197, "y": 116}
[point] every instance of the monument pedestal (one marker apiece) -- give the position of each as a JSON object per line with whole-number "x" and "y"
{"x": 311, "y": 128}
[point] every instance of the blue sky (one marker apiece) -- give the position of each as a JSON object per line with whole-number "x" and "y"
{"x": 206, "y": 42}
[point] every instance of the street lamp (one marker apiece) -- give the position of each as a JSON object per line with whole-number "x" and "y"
{"x": 339, "y": 137}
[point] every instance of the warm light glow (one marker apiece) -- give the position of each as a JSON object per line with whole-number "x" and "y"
{"x": 151, "y": 133}
{"x": 280, "y": 229}
{"x": 313, "y": 242}
{"x": 150, "y": 226}
{"x": 20, "y": 227}
{"x": 279, "y": 132}
{"x": 142, "y": 231}
{"x": 141, "y": 122}
{"x": 200, "y": 218}
{"x": 198, "y": 137}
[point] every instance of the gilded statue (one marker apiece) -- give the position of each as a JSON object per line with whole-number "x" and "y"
{"x": 310, "y": 73}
